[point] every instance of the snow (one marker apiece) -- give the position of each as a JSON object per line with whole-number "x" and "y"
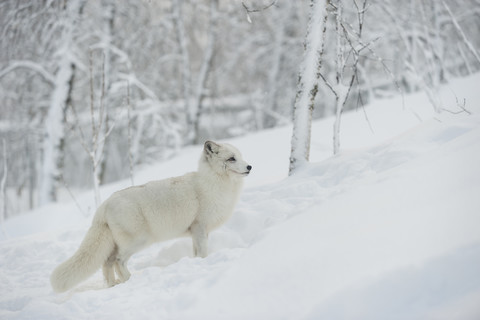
{"x": 386, "y": 229}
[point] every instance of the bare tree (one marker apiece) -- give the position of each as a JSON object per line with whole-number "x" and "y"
{"x": 348, "y": 47}
{"x": 96, "y": 147}
{"x": 108, "y": 18}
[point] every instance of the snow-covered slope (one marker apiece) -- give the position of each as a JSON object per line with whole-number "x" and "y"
{"x": 388, "y": 229}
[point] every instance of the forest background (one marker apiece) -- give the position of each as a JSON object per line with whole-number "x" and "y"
{"x": 91, "y": 90}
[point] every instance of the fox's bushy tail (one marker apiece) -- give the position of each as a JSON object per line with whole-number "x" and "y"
{"x": 94, "y": 250}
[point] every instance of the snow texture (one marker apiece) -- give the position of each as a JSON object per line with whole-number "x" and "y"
{"x": 386, "y": 229}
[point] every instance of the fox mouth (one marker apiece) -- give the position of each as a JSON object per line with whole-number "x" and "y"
{"x": 243, "y": 173}
{"x": 246, "y": 173}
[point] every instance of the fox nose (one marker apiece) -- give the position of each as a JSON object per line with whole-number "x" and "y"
{"x": 249, "y": 168}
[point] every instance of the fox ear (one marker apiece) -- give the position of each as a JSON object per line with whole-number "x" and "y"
{"x": 211, "y": 147}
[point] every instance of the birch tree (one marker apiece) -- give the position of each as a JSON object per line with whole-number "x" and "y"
{"x": 108, "y": 18}
{"x": 55, "y": 119}
{"x": 307, "y": 85}
{"x": 348, "y": 47}
{"x": 98, "y": 119}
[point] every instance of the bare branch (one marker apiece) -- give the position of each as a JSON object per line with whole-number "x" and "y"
{"x": 92, "y": 113}
{"x": 328, "y": 84}
{"x": 461, "y": 106}
{"x": 129, "y": 133}
{"x": 132, "y": 79}
{"x": 66, "y": 186}
{"x": 102, "y": 97}
{"x": 260, "y": 9}
{"x": 80, "y": 134}
{"x": 249, "y": 10}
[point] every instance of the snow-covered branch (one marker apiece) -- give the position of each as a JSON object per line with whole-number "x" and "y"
{"x": 459, "y": 29}
{"x": 30, "y": 65}
{"x": 132, "y": 79}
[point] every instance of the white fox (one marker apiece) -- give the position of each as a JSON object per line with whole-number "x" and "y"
{"x": 131, "y": 219}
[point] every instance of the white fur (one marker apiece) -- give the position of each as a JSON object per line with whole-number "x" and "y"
{"x": 134, "y": 218}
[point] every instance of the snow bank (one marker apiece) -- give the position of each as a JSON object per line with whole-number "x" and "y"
{"x": 396, "y": 223}
{"x": 387, "y": 229}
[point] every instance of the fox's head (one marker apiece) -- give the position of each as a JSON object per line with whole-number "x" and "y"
{"x": 225, "y": 159}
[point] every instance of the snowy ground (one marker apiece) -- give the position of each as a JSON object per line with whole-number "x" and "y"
{"x": 388, "y": 229}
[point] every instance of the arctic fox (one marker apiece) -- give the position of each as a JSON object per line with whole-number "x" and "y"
{"x": 131, "y": 219}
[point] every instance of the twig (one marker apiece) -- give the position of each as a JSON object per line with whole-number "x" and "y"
{"x": 72, "y": 196}
{"x": 92, "y": 114}
{"x": 102, "y": 98}
{"x": 258, "y": 10}
{"x": 328, "y": 84}
{"x": 361, "y": 102}
{"x": 3, "y": 189}
{"x": 461, "y": 106}
{"x": 129, "y": 133}
{"x": 248, "y": 10}
{"x": 80, "y": 135}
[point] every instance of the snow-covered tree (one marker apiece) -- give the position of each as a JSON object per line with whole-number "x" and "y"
{"x": 307, "y": 86}
{"x": 347, "y": 48}
{"x": 53, "y": 142}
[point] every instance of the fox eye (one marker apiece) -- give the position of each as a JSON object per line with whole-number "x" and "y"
{"x": 232, "y": 159}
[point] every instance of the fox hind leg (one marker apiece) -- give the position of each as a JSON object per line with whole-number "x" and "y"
{"x": 121, "y": 264}
{"x": 127, "y": 248}
{"x": 107, "y": 268}
{"x": 121, "y": 270}
{"x": 115, "y": 264}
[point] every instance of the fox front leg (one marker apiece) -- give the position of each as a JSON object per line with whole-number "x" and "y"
{"x": 200, "y": 239}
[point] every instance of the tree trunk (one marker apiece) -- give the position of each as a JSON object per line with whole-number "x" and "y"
{"x": 108, "y": 35}
{"x": 55, "y": 120}
{"x": 307, "y": 85}
{"x": 55, "y": 133}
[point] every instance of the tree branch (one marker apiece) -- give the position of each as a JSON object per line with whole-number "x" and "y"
{"x": 26, "y": 64}
{"x": 248, "y": 10}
